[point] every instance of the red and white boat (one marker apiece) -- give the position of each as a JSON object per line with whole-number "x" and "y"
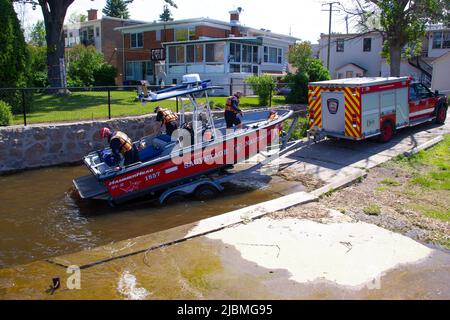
{"x": 169, "y": 162}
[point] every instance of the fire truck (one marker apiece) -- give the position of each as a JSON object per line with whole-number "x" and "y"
{"x": 359, "y": 108}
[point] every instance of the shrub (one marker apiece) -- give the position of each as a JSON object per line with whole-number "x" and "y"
{"x": 263, "y": 86}
{"x": 372, "y": 210}
{"x": 6, "y": 116}
{"x": 105, "y": 75}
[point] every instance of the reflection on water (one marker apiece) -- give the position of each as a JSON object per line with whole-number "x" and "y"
{"x": 40, "y": 217}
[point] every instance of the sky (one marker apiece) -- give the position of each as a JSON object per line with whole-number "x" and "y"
{"x": 304, "y": 19}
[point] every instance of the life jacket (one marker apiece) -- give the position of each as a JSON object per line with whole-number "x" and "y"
{"x": 168, "y": 116}
{"x": 229, "y": 104}
{"x": 125, "y": 142}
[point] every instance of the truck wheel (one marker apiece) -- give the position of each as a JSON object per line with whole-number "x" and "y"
{"x": 387, "y": 131}
{"x": 441, "y": 114}
{"x": 205, "y": 192}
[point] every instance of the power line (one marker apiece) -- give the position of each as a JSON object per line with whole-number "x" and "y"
{"x": 330, "y": 4}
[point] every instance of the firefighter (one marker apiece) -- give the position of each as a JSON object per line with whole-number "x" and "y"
{"x": 232, "y": 110}
{"x": 168, "y": 118}
{"x": 273, "y": 115}
{"x": 121, "y": 145}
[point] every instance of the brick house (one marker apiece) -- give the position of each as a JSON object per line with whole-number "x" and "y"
{"x": 221, "y": 51}
{"x": 100, "y": 33}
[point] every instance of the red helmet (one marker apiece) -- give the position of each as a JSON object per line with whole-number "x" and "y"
{"x": 104, "y": 132}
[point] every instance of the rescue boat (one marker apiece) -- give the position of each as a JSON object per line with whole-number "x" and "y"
{"x": 188, "y": 155}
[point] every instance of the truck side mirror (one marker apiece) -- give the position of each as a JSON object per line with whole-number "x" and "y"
{"x": 436, "y": 92}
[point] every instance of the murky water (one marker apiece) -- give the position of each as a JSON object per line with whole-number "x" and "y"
{"x": 40, "y": 217}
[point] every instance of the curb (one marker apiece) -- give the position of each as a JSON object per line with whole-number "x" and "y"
{"x": 424, "y": 146}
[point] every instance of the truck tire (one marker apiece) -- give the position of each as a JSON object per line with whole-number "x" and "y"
{"x": 205, "y": 192}
{"x": 387, "y": 131}
{"x": 174, "y": 198}
{"x": 441, "y": 114}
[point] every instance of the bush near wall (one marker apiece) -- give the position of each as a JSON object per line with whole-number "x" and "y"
{"x": 6, "y": 116}
{"x": 263, "y": 86}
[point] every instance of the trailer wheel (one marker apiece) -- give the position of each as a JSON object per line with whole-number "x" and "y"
{"x": 205, "y": 192}
{"x": 387, "y": 131}
{"x": 441, "y": 114}
{"x": 174, "y": 198}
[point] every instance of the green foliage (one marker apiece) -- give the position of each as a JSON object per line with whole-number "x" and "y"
{"x": 117, "y": 9}
{"x": 86, "y": 67}
{"x": 390, "y": 182}
{"x": 37, "y": 34}
{"x": 300, "y": 128}
{"x": 105, "y": 75}
{"x": 38, "y": 66}
{"x": 166, "y": 15}
{"x": 308, "y": 70}
{"x": 14, "y": 56}
{"x": 263, "y": 86}
{"x": 6, "y": 116}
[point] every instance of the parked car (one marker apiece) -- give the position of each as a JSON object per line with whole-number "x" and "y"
{"x": 283, "y": 91}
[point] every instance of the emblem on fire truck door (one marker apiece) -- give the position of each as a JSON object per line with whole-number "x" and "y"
{"x": 333, "y": 105}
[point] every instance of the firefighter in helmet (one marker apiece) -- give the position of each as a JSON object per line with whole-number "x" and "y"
{"x": 168, "y": 118}
{"x": 232, "y": 110}
{"x": 121, "y": 145}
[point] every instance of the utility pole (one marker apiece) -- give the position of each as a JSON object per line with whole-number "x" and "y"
{"x": 329, "y": 29}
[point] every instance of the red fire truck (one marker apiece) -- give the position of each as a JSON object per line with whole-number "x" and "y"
{"x": 359, "y": 108}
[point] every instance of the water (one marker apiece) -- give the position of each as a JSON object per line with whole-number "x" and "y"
{"x": 40, "y": 217}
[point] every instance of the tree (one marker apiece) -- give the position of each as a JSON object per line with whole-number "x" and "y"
{"x": 402, "y": 23}
{"x": 300, "y": 55}
{"x": 77, "y": 18}
{"x": 13, "y": 55}
{"x": 166, "y": 15}
{"x": 309, "y": 69}
{"x": 37, "y": 34}
{"x": 81, "y": 63}
{"x": 117, "y": 8}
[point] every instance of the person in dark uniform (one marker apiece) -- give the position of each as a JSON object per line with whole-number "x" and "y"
{"x": 121, "y": 145}
{"x": 168, "y": 118}
{"x": 232, "y": 110}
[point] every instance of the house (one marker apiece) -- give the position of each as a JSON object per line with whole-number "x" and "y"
{"x": 354, "y": 55}
{"x": 101, "y": 34}
{"x": 224, "y": 52}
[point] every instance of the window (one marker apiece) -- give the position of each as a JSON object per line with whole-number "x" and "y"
{"x": 441, "y": 40}
{"x": 235, "y": 68}
{"x": 340, "y": 45}
{"x": 418, "y": 91}
{"x": 340, "y": 75}
{"x": 139, "y": 70}
{"x": 215, "y": 52}
{"x": 97, "y": 32}
{"x": 176, "y": 54}
{"x": 158, "y": 35}
{"x": 137, "y": 40}
{"x": 273, "y": 55}
{"x": 235, "y": 52}
{"x": 367, "y": 45}
{"x": 184, "y": 34}
{"x": 349, "y": 74}
{"x": 194, "y": 53}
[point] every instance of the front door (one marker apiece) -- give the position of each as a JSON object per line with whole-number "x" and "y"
{"x": 333, "y": 112}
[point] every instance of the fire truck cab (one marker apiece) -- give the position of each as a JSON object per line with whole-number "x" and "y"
{"x": 359, "y": 108}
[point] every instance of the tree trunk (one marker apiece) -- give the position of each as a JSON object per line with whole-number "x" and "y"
{"x": 395, "y": 51}
{"x": 54, "y": 12}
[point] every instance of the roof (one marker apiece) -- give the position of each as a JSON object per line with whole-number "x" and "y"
{"x": 441, "y": 58}
{"x": 358, "y": 82}
{"x": 247, "y": 40}
{"x": 151, "y": 26}
{"x": 353, "y": 64}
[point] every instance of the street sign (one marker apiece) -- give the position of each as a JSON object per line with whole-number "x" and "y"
{"x": 158, "y": 54}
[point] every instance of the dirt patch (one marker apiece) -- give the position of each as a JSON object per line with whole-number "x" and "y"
{"x": 309, "y": 181}
{"x": 311, "y": 211}
{"x": 402, "y": 204}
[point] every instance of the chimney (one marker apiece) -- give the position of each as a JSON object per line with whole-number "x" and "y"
{"x": 92, "y": 14}
{"x": 235, "y": 23}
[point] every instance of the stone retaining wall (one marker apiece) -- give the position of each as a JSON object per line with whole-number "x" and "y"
{"x": 46, "y": 145}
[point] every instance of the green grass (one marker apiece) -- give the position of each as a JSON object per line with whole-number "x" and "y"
{"x": 94, "y": 105}
{"x": 390, "y": 182}
{"x": 300, "y": 128}
{"x": 434, "y": 212}
{"x": 372, "y": 210}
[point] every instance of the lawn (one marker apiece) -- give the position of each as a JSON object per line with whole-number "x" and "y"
{"x": 94, "y": 105}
